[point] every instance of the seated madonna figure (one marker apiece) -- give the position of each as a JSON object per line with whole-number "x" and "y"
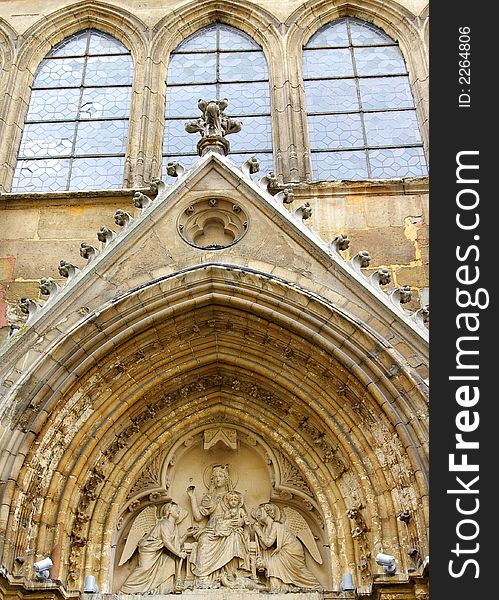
{"x": 222, "y": 551}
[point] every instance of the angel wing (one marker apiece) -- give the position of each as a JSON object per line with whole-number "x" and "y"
{"x": 144, "y": 522}
{"x": 300, "y": 528}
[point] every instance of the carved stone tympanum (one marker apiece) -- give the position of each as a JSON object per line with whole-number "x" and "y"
{"x": 269, "y": 548}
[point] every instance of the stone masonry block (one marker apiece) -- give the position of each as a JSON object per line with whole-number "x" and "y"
{"x": 386, "y": 245}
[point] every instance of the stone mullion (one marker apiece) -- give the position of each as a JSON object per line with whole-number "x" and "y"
{"x": 134, "y": 161}
{"x": 298, "y": 118}
{"x": 152, "y": 121}
{"x": 14, "y": 108}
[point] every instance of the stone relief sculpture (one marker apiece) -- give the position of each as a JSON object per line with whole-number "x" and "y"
{"x": 226, "y": 547}
{"x": 222, "y": 554}
{"x": 282, "y": 556}
{"x": 160, "y": 551}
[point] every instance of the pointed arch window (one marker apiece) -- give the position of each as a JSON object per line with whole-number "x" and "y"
{"x": 76, "y": 127}
{"x": 219, "y": 62}
{"x": 361, "y": 116}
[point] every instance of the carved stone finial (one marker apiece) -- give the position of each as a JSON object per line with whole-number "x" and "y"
{"x": 48, "y": 287}
{"x": 304, "y": 211}
{"x": 29, "y": 307}
{"x": 421, "y": 316}
{"x": 122, "y": 218}
{"x": 175, "y": 169}
{"x": 268, "y": 182}
{"x": 213, "y": 126}
{"x": 106, "y": 235}
{"x": 67, "y": 270}
{"x": 401, "y": 295}
{"x": 287, "y": 196}
{"x": 250, "y": 166}
{"x": 140, "y": 200}
{"x": 340, "y": 242}
{"x": 88, "y": 251}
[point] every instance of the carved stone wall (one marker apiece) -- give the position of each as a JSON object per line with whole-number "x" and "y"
{"x": 390, "y": 218}
{"x": 159, "y": 346}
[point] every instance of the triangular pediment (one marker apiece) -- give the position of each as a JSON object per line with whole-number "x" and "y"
{"x": 216, "y": 214}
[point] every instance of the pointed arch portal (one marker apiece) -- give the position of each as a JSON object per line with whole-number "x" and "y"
{"x": 138, "y": 379}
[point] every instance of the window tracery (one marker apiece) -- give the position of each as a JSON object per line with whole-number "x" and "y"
{"x": 214, "y": 63}
{"x": 361, "y": 116}
{"x": 76, "y": 127}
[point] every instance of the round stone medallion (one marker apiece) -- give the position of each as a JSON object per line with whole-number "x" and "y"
{"x": 212, "y": 223}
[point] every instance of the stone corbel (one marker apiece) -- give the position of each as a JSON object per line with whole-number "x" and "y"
{"x": 250, "y": 167}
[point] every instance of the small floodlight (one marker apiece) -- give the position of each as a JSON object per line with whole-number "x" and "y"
{"x": 387, "y": 562}
{"x": 346, "y": 584}
{"x": 42, "y": 568}
{"x": 90, "y": 587}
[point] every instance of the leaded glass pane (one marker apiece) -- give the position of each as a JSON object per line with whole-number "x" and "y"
{"x": 82, "y": 110}
{"x": 364, "y": 34}
{"x": 384, "y": 60}
{"x": 327, "y": 63}
{"x": 105, "y": 102}
{"x": 47, "y": 139}
{"x": 97, "y": 173}
{"x": 246, "y": 98}
{"x": 53, "y": 104}
{"x": 101, "y": 137}
{"x": 354, "y": 96}
{"x": 331, "y": 95}
{"x": 255, "y": 134}
{"x": 336, "y": 131}
{"x": 242, "y": 66}
{"x": 231, "y": 39}
{"x": 397, "y": 162}
{"x": 192, "y": 68}
{"x": 182, "y": 101}
{"x": 396, "y": 128}
{"x": 379, "y": 93}
{"x": 109, "y": 70}
{"x": 59, "y": 72}
{"x": 330, "y": 35}
{"x": 41, "y": 175}
{"x": 100, "y": 43}
{"x": 177, "y": 140}
{"x": 339, "y": 165}
{"x": 217, "y": 62}
{"x": 75, "y": 45}
{"x": 206, "y": 39}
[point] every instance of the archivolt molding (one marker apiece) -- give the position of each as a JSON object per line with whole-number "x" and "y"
{"x": 365, "y": 358}
{"x": 97, "y": 397}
